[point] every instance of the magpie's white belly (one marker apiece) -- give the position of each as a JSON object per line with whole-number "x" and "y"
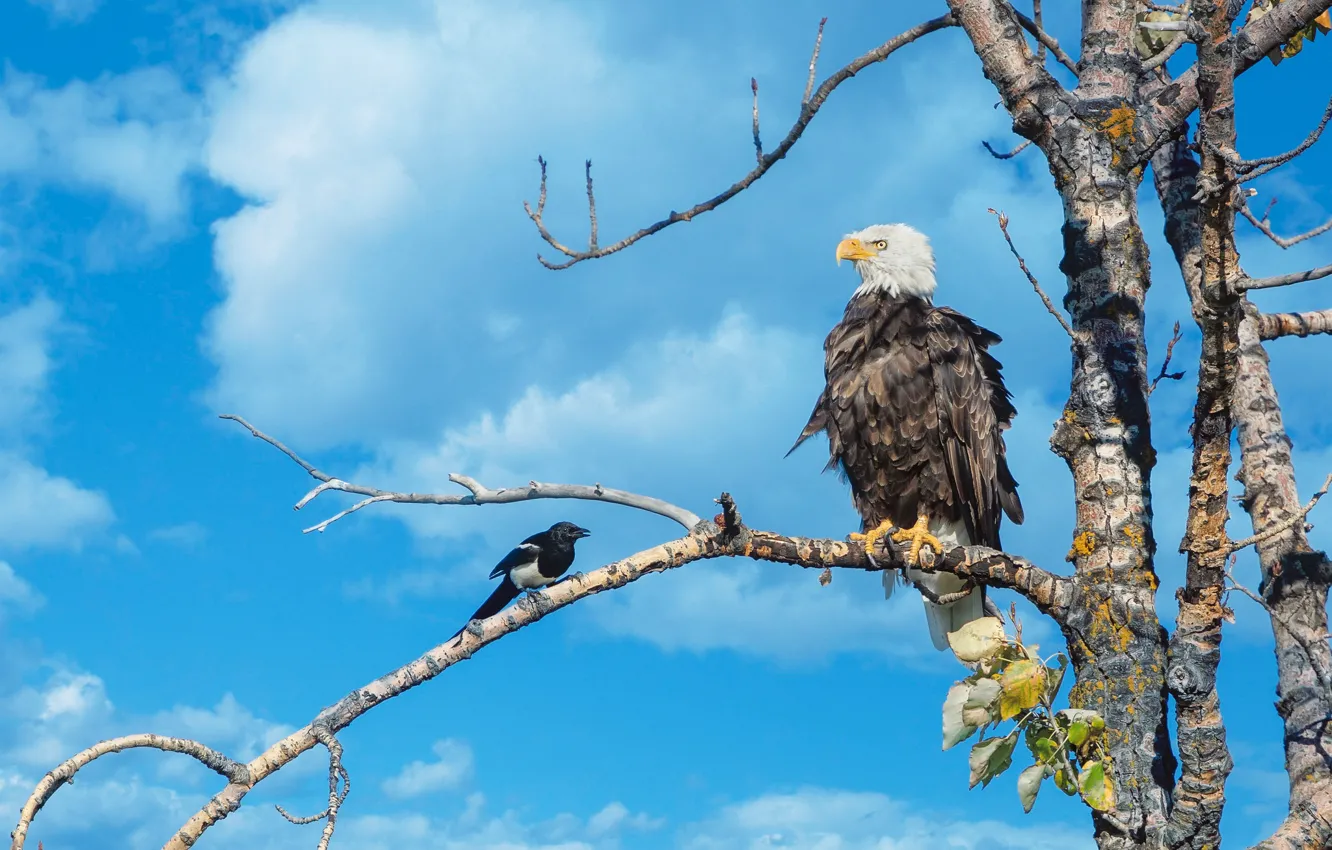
{"x": 527, "y": 576}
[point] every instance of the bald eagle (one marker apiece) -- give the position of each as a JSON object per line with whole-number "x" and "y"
{"x": 915, "y": 408}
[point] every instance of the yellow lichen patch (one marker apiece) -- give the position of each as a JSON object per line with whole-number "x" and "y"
{"x": 749, "y": 547}
{"x": 762, "y": 551}
{"x": 1134, "y": 534}
{"x": 1103, "y": 624}
{"x": 1083, "y": 545}
{"x": 1119, "y": 126}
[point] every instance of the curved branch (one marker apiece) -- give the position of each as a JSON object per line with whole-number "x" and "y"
{"x": 808, "y": 109}
{"x": 478, "y": 493}
{"x": 1050, "y": 593}
{"x": 233, "y": 771}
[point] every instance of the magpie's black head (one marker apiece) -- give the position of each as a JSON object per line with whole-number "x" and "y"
{"x": 567, "y": 532}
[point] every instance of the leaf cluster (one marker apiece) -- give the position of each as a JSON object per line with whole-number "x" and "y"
{"x": 1012, "y": 682}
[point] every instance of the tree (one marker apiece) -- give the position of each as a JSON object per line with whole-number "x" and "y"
{"x": 1145, "y": 784}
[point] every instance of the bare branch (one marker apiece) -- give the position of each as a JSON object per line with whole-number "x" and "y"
{"x": 1263, "y": 225}
{"x": 809, "y": 108}
{"x": 1014, "y": 152}
{"x": 758, "y": 143}
{"x": 813, "y": 63}
{"x": 1049, "y": 305}
{"x": 1038, "y": 19}
{"x": 478, "y": 495}
{"x": 1276, "y": 325}
{"x": 1050, "y": 593}
{"x": 1175, "y": 337}
{"x": 339, "y": 786}
{"x": 1324, "y": 675}
{"x": 1175, "y": 44}
{"x": 1249, "y": 284}
{"x": 1044, "y": 40}
{"x": 232, "y": 771}
{"x": 1163, "y": 117}
{"x": 1276, "y": 530}
{"x": 1255, "y": 168}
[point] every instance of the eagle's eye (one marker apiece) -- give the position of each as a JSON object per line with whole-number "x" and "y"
{"x": 881, "y": 244}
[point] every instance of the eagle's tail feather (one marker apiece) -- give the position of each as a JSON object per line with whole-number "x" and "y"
{"x": 943, "y": 619}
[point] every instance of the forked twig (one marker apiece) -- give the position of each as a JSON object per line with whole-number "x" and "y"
{"x": 1022, "y": 264}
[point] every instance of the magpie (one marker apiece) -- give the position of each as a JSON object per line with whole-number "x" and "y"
{"x": 536, "y": 562}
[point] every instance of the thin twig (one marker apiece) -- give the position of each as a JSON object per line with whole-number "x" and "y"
{"x": 1001, "y": 155}
{"x": 1047, "y": 40}
{"x": 1277, "y": 529}
{"x": 1022, "y": 264}
{"x": 1324, "y": 677}
{"x": 1277, "y": 325}
{"x": 478, "y": 494}
{"x": 813, "y": 64}
{"x": 808, "y": 110}
{"x": 592, "y": 205}
{"x": 1175, "y": 337}
{"x": 1039, "y": 21}
{"x": 758, "y": 143}
{"x": 1263, "y": 225}
{"x": 339, "y": 786}
{"x": 1255, "y": 168}
{"x": 1249, "y": 284}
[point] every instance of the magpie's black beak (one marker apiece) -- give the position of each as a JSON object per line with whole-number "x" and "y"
{"x": 581, "y": 532}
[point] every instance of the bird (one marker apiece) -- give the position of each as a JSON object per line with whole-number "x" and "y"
{"x": 538, "y": 561}
{"x": 914, "y": 407}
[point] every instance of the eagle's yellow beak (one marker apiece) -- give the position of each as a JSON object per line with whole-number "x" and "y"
{"x": 852, "y": 249}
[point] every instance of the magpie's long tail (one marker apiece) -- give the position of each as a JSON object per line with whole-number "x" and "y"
{"x": 503, "y": 594}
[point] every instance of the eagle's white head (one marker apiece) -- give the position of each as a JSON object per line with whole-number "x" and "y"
{"x": 892, "y": 259}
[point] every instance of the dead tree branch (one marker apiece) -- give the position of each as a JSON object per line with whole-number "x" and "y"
{"x": 1050, "y": 593}
{"x": 809, "y": 108}
{"x": 478, "y": 494}
{"x": 1249, "y": 284}
{"x": 1162, "y": 116}
{"x": 1022, "y": 264}
{"x": 1045, "y": 40}
{"x": 1252, "y": 169}
{"x": 339, "y": 786}
{"x": 1175, "y": 337}
{"x": 232, "y": 771}
{"x": 1010, "y": 154}
{"x": 1309, "y": 647}
{"x": 1277, "y": 325}
{"x": 1264, "y": 225}
{"x": 1275, "y": 530}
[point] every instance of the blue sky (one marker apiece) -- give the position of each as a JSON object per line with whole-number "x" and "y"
{"x": 310, "y": 215}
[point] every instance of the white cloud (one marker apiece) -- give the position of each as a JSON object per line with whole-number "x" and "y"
{"x": 37, "y": 508}
{"x": 822, "y": 819}
{"x": 16, "y": 594}
{"x": 47, "y": 724}
{"x": 187, "y": 535}
{"x": 133, "y": 136}
{"x": 69, "y": 11}
{"x": 384, "y": 151}
{"x": 228, "y": 726}
{"x": 452, "y": 767}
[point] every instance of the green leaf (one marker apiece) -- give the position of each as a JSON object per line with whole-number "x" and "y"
{"x": 1095, "y": 787}
{"x": 1064, "y": 781}
{"x": 1041, "y": 742}
{"x": 1068, "y": 716}
{"x": 1023, "y": 683}
{"x": 1078, "y": 732}
{"x": 1147, "y": 42}
{"x": 989, "y": 758}
{"x": 1029, "y": 784}
{"x": 1054, "y": 678}
{"x": 978, "y": 639}
{"x": 955, "y": 729}
{"x": 978, "y": 708}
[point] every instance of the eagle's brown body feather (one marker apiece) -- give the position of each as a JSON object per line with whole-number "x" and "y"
{"x": 915, "y": 407}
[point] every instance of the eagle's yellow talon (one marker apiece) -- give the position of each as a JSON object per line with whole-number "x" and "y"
{"x": 872, "y": 536}
{"x": 919, "y": 537}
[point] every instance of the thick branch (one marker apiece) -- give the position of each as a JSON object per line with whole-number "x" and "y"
{"x": 1275, "y": 325}
{"x": 1285, "y": 279}
{"x": 233, "y": 771}
{"x": 1050, "y": 593}
{"x": 809, "y": 108}
{"x": 1044, "y": 39}
{"x": 1162, "y": 117}
{"x": 478, "y": 495}
{"x": 1195, "y": 647}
